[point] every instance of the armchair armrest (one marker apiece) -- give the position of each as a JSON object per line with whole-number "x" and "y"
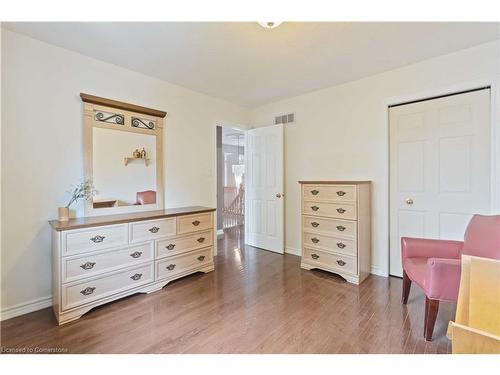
{"x": 426, "y": 248}
{"x": 442, "y": 278}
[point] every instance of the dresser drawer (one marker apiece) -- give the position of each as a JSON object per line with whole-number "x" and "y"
{"x": 334, "y": 227}
{"x": 172, "y": 266}
{"x": 85, "y": 240}
{"x": 183, "y": 244}
{"x": 335, "y": 210}
{"x": 337, "y": 262}
{"x": 78, "y": 267}
{"x": 331, "y": 244}
{"x": 194, "y": 223}
{"x": 330, "y": 192}
{"x": 86, "y": 291}
{"x": 151, "y": 229}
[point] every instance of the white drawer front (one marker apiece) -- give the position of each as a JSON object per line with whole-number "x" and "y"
{"x": 335, "y": 227}
{"x": 151, "y": 229}
{"x": 86, "y": 291}
{"x": 183, "y": 244}
{"x": 74, "y": 268}
{"x": 337, "y": 262}
{"x": 334, "y": 210}
{"x": 172, "y": 266}
{"x": 96, "y": 238}
{"x": 194, "y": 223}
{"x": 330, "y": 192}
{"x": 330, "y": 244}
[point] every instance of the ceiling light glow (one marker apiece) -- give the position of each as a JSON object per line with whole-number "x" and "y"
{"x": 270, "y": 24}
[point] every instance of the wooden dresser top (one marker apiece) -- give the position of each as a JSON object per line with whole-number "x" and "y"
{"x": 95, "y": 221}
{"x": 335, "y": 182}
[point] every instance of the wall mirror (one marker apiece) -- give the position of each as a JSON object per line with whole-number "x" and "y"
{"x": 123, "y": 155}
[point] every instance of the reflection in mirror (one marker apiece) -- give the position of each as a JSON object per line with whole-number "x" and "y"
{"x": 124, "y": 168}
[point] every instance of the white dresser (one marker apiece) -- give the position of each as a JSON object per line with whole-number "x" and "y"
{"x": 102, "y": 258}
{"x": 336, "y": 230}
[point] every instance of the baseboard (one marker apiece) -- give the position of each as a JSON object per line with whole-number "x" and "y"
{"x": 25, "y": 308}
{"x": 377, "y": 271}
{"x": 293, "y": 251}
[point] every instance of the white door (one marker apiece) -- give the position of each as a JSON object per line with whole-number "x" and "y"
{"x": 439, "y": 168}
{"x": 264, "y": 200}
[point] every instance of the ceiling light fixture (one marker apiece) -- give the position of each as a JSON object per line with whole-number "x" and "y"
{"x": 270, "y": 24}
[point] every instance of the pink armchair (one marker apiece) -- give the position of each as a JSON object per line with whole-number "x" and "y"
{"x": 146, "y": 197}
{"x": 434, "y": 265}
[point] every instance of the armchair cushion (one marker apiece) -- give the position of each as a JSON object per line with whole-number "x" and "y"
{"x": 442, "y": 279}
{"x": 426, "y": 248}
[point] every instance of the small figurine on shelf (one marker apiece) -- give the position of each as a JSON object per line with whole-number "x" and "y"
{"x": 136, "y": 154}
{"x": 143, "y": 153}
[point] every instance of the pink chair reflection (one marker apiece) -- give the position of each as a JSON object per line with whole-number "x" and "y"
{"x": 146, "y": 197}
{"x": 434, "y": 265}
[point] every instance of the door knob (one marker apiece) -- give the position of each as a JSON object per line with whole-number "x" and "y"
{"x": 409, "y": 201}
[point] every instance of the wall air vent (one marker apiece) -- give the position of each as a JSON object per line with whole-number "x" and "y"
{"x": 284, "y": 119}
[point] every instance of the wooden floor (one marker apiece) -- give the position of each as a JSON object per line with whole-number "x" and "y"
{"x": 254, "y": 302}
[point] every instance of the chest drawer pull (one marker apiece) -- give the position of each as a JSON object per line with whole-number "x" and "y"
{"x": 340, "y": 245}
{"x": 340, "y": 262}
{"x": 136, "y": 254}
{"x": 136, "y": 277}
{"x": 314, "y": 192}
{"x": 201, "y": 239}
{"x": 88, "y": 265}
{"x": 170, "y": 267}
{"x": 340, "y": 193}
{"x": 170, "y": 247}
{"x": 154, "y": 229}
{"x": 88, "y": 290}
{"x": 314, "y": 256}
{"x": 341, "y": 228}
{"x": 201, "y": 258}
{"x": 315, "y": 224}
{"x": 196, "y": 223}
{"x": 314, "y": 208}
{"x": 340, "y": 210}
{"x": 314, "y": 240}
{"x": 97, "y": 239}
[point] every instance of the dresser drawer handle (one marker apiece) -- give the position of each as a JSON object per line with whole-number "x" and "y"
{"x": 314, "y": 208}
{"x": 97, "y": 239}
{"x": 136, "y": 277}
{"x": 340, "y": 210}
{"x": 341, "y": 245}
{"x": 201, "y": 239}
{"x": 340, "y": 262}
{"x": 314, "y": 240}
{"x": 154, "y": 229}
{"x": 315, "y": 224}
{"x": 88, "y": 265}
{"x": 170, "y": 247}
{"x": 88, "y": 290}
{"x": 170, "y": 267}
{"x": 196, "y": 223}
{"x": 341, "y": 228}
{"x": 340, "y": 193}
{"x": 314, "y": 256}
{"x": 201, "y": 258}
{"x": 136, "y": 254}
{"x": 314, "y": 192}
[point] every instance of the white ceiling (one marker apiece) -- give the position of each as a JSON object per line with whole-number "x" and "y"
{"x": 249, "y": 65}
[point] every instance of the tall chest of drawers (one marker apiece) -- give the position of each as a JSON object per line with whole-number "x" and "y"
{"x": 336, "y": 230}
{"x": 100, "y": 259}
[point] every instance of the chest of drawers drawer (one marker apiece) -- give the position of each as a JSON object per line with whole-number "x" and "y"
{"x": 91, "y": 239}
{"x": 177, "y": 264}
{"x": 183, "y": 244}
{"x": 333, "y": 261}
{"x": 333, "y": 244}
{"x": 194, "y": 223}
{"x": 334, "y": 210}
{"x": 152, "y": 229}
{"x": 330, "y": 192}
{"x": 333, "y": 227}
{"x": 95, "y": 263}
{"x": 86, "y": 291}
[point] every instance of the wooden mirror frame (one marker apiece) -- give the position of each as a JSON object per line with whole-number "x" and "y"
{"x": 128, "y": 117}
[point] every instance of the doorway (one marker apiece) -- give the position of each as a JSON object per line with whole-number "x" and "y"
{"x": 440, "y": 167}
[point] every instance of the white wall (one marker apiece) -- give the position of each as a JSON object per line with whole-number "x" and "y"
{"x": 42, "y": 149}
{"x": 342, "y": 132}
